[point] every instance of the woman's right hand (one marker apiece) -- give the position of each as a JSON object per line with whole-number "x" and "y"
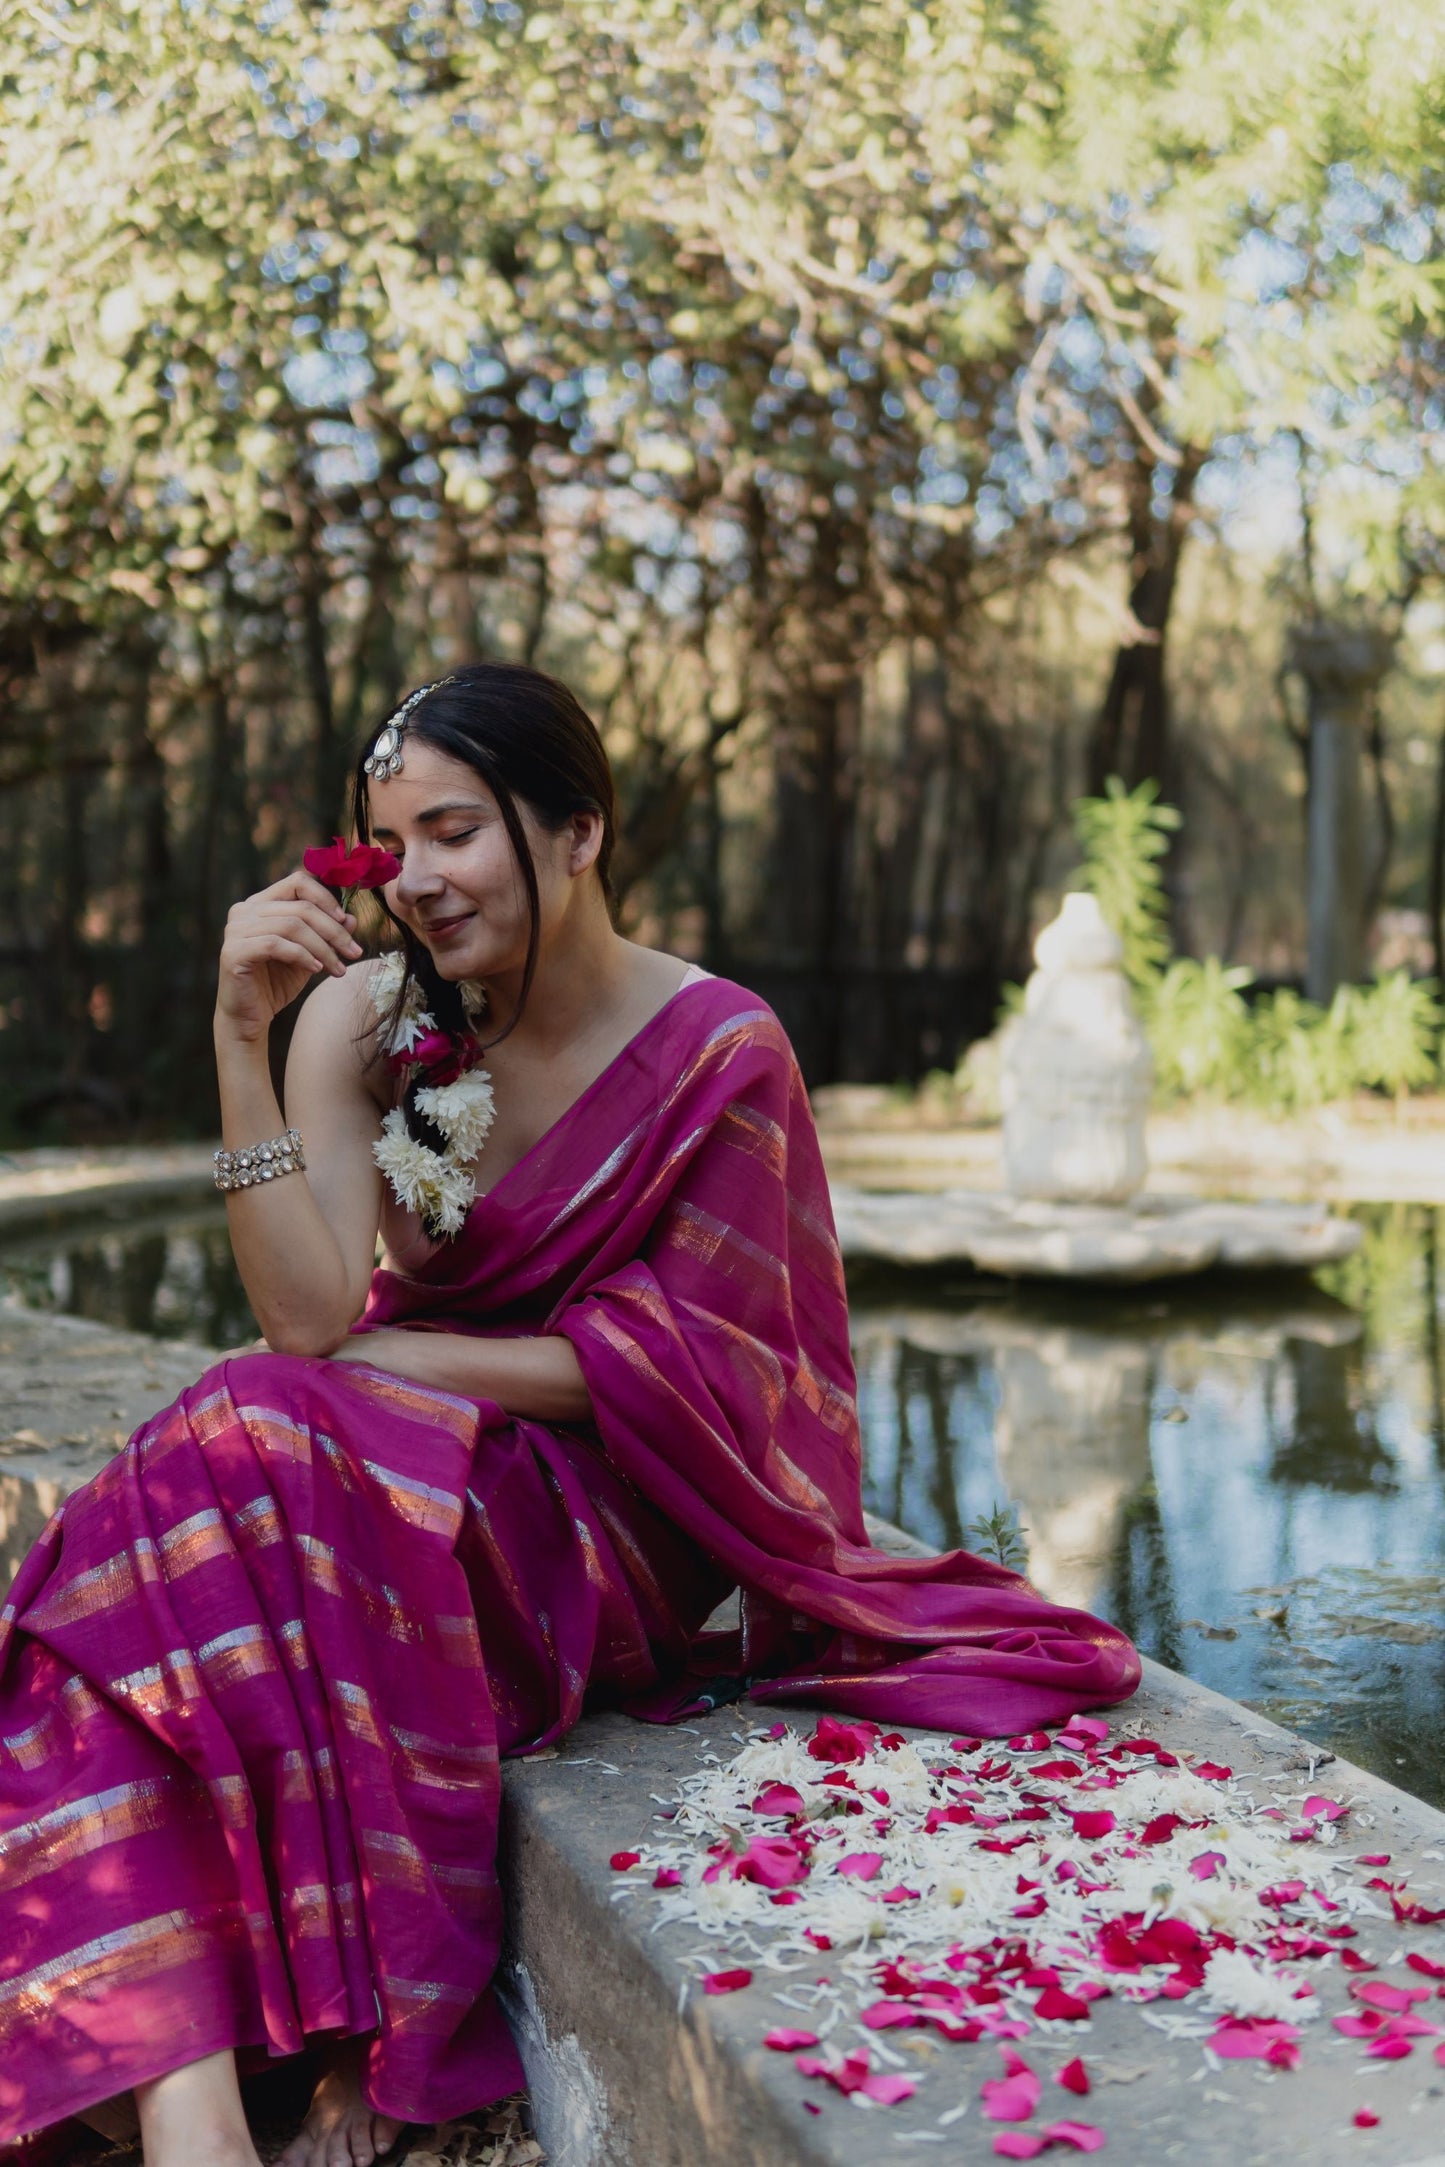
{"x": 276, "y": 941}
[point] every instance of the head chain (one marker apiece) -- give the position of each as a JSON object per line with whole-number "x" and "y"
{"x": 384, "y": 758}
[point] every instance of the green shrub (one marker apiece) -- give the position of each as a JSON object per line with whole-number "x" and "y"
{"x": 1281, "y": 1052}
{"x": 1123, "y": 836}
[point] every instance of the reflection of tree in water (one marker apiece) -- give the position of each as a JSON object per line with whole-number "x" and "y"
{"x": 1332, "y": 1440}
{"x": 168, "y": 1281}
{"x": 926, "y": 1479}
{"x": 116, "y": 1284}
{"x": 1142, "y": 1598}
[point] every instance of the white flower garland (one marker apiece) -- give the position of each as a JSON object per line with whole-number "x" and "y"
{"x": 434, "y": 1184}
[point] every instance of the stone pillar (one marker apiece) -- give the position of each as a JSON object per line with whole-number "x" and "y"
{"x": 1341, "y": 666}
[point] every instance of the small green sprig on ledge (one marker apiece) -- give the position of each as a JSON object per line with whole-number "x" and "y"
{"x": 999, "y": 1536}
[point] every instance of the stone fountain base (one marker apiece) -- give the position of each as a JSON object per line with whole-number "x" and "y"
{"x": 1154, "y": 1237}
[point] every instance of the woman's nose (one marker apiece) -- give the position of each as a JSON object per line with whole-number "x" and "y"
{"x": 416, "y": 879}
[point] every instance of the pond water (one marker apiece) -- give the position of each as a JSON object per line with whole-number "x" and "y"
{"x": 1249, "y": 1477}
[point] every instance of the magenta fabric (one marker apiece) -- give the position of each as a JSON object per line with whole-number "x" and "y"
{"x": 256, "y": 1676}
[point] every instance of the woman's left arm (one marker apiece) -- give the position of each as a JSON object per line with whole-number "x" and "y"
{"x": 541, "y": 1378}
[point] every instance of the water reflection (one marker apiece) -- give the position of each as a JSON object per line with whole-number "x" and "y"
{"x": 1248, "y": 1477}
{"x": 170, "y": 1275}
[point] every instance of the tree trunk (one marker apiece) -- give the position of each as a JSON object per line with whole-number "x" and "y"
{"x": 1130, "y": 737}
{"x": 1341, "y": 669}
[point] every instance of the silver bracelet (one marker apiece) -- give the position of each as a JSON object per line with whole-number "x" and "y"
{"x": 260, "y": 1162}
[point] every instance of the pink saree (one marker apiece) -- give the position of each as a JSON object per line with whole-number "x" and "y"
{"x": 255, "y": 1678}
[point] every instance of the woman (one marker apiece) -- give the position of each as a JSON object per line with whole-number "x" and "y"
{"x": 256, "y": 1676}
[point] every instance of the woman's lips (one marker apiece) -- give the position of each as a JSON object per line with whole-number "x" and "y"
{"x": 440, "y": 928}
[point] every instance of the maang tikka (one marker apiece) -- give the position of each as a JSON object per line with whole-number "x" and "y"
{"x": 384, "y": 758}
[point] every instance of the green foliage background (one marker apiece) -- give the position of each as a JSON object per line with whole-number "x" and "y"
{"x": 836, "y": 392}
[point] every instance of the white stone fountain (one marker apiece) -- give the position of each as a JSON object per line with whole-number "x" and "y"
{"x": 1076, "y": 1075}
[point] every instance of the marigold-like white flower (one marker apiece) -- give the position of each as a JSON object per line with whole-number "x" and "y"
{"x": 463, "y": 1111}
{"x": 423, "y": 1181}
{"x": 414, "y": 1021}
{"x": 1245, "y": 1987}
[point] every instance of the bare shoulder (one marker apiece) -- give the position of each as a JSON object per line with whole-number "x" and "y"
{"x": 335, "y": 1026}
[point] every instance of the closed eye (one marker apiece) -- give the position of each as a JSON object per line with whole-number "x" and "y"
{"x": 463, "y": 836}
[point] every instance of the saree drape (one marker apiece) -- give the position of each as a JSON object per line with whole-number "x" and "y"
{"x": 256, "y": 1676}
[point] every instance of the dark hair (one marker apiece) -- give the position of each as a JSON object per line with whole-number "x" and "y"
{"x": 532, "y": 743}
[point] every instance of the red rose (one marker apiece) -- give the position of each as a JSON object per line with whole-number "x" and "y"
{"x": 363, "y": 866}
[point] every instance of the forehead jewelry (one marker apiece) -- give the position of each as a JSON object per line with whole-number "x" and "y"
{"x": 384, "y": 758}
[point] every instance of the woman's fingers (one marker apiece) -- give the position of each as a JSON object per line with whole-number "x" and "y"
{"x": 330, "y": 943}
{"x": 294, "y": 917}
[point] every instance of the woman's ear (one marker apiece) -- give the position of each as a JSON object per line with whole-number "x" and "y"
{"x": 586, "y": 843}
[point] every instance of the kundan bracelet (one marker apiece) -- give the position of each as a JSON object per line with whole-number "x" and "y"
{"x": 260, "y": 1162}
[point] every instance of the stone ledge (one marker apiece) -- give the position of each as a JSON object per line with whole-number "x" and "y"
{"x": 630, "y": 2066}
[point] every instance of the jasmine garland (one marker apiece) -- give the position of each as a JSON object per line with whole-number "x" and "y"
{"x": 458, "y": 1102}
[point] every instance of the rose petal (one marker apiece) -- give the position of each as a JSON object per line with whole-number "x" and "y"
{"x": 1087, "y": 1825}
{"x": 1083, "y": 2136}
{"x": 1250, "y": 2039}
{"x": 1379, "y": 1994}
{"x": 1074, "y": 2077}
{"x": 726, "y": 1982}
{"x": 1212, "y": 1772}
{"x": 860, "y": 1865}
{"x": 778, "y": 1798}
{"x": 667, "y": 1877}
{"x": 785, "y": 2041}
{"x": 1384, "y": 2049}
{"x": 1012, "y": 2098}
{"x": 1018, "y": 2144}
{"x": 888, "y": 2091}
{"x": 835, "y": 1741}
{"x": 1425, "y": 1966}
{"x": 1054, "y": 2005}
{"x": 1207, "y": 1865}
{"x": 1366, "y": 2118}
{"x": 621, "y": 1860}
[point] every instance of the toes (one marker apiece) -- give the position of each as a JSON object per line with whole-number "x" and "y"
{"x": 386, "y": 2132}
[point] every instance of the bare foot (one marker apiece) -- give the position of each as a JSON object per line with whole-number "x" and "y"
{"x": 193, "y": 2117}
{"x": 341, "y": 2130}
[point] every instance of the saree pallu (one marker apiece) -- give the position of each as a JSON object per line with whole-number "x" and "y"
{"x": 256, "y": 1676}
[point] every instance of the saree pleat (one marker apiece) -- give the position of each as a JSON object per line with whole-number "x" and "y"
{"x": 255, "y": 1685}
{"x": 255, "y": 1678}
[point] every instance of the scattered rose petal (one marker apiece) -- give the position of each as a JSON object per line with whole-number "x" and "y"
{"x": 621, "y": 1860}
{"x": 1440, "y": 2054}
{"x": 835, "y": 1741}
{"x": 859, "y": 1865}
{"x": 1018, "y": 2144}
{"x": 784, "y": 2041}
{"x": 1379, "y": 1994}
{"x": 1055, "y": 2005}
{"x": 888, "y": 2090}
{"x": 1088, "y": 1825}
{"x": 1212, "y": 1772}
{"x": 667, "y": 1877}
{"x": 726, "y": 1982}
{"x": 778, "y": 1798}
{"x": 1373, "y": 1858}
{"x": 1083, "y": 2136}
{"x": 1426, "y": 1967}
{"x": 774, "y": 1861}
{"x": 1251, "y": 2039}
{"x": 1328, "y": 1809}
{"x": 1354, "y": 1962}
{"x": 899, "y": 1895}
{"x": 1207, "y": 1865}
{"x": 1012, "y": 2098}
{"x": 1386, "y": 2049}
{"x": 1074, "y": 2077}
{"x": 819, "y": 1941}
{"x": 1366, "y": 2118}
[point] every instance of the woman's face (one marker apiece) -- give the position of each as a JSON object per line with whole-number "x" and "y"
{"x": 460, "y": 888}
